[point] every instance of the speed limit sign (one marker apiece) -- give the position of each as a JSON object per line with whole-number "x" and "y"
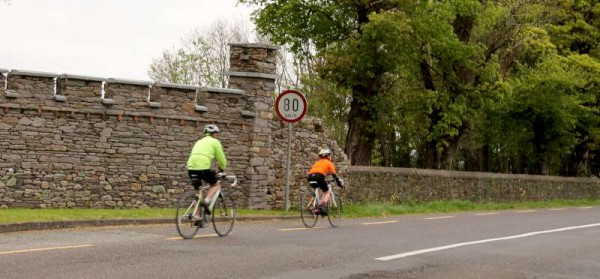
{"x": 291, "y": 106}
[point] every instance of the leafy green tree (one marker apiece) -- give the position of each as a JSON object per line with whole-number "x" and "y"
{"x": 358, "y": 44}
{"x": 203, "y": 56}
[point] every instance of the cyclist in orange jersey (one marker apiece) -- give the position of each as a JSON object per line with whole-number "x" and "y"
{"x": 317, "y": 174}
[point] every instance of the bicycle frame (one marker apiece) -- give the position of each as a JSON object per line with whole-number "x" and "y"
{"x": 213, "y": 200}
{"x": 318, "y": 193}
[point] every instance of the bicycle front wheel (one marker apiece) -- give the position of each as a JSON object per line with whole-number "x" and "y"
{"x": 307, "y": 205}
{"x": 335, "y": 210}
{"x": 223, "y": 217}
{"x": 186, "y": 227}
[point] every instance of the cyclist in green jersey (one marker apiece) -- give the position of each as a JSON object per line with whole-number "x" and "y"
{"x": 199, "y": 164}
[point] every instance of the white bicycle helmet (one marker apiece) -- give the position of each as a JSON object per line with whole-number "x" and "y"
{"x": 325, "y": 152}
{"x": 211, "y": 128}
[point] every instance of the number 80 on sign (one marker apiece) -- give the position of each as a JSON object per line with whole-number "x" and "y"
{"x": 291, "y": 106}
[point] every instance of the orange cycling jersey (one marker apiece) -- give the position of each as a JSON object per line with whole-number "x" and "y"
{"x": 323, "y": 166}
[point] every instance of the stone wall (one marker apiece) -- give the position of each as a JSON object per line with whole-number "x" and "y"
{"x": 63, "y": 144}
{"x": 401, "y": 185}
{"x": 77, "y": 141}
{"x": 308, "y": 137}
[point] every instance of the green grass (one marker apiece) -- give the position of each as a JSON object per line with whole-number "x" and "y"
{"x": 350, "y": 210}
{"x": 19, "y": 215}
{"x": 389, "y": 209}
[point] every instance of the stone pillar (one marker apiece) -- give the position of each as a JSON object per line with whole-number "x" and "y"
{"x": 253, "y": 70}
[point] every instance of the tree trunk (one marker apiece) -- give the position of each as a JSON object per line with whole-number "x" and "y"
{"x": 359, "y": 140}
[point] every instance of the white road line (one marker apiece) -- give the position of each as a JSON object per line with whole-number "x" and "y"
{"x": 43, "y": 249}
{"x": 489, "y": 213}
{"x": 379, "y": 223}
{"x": 557, "y": 209}
{"x": 436, "y": 218}
{"x": 586, "y": 207}
{"x": 197, "y": 236}
{"x": 417, "y": 252}
{"x": 525, "y": 211}
{"x": 299, "y": 229}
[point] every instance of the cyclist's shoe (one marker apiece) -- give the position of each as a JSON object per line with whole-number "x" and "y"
{"x": 315, "y": 211}
{"x": 200, "y": 223}
{"x": 323, "y": 209}
{"x": 196, "y": 218}
{"x": 205, "y": 206}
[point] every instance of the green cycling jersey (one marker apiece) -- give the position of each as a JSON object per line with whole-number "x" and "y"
{"x": 204, "y": 151}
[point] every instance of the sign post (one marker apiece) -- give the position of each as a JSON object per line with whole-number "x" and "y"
{"x": 291, "y": 107}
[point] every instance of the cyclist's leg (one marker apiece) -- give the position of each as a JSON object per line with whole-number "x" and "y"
{"x": 322, "y": 184}
{"x": 212, "y": 190}
{"x": 209, "y": 177}
{"x": 196, "y": 180}
{"x": 315, "y": 180}
{"x": 325, "y": 196}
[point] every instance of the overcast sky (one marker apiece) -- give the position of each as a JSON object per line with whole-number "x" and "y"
{"x": 101, "y": 38}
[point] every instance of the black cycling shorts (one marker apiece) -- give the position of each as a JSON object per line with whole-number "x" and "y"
{"x": 207, "y": 176}
{"x": 320, "y": 181}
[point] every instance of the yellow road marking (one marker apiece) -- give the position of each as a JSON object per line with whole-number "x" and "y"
{"x": 441, "y": 217}
{"x": 43, "y": 249}
{"x": 586, "y": 207}
{"x": 379, "y": 223}
{"x": 488, "y": 213}
{"x": 556, "y": 209}
{"x": 525, "y": 211}
{"x": 299, "y": 229}
{"x": 198, "y": 236}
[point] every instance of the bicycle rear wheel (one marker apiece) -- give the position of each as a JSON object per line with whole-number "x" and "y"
{"x": 335, "y": 210}
{"x": 307, "y": 204}
{"x": 185, "y": 211}
{"x": 223, "y": 217}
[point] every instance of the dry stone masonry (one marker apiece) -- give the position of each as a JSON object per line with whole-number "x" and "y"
{"x": 77, "y": 141}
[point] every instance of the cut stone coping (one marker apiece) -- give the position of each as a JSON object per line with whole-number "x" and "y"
{"x": 11, "y": 94}
{"x": 60, "y": 98}
{"x": 200, "y": 108}
{"x": 108, "y": 101}
{"x": 129, "y": 81}
{"x": 154, "y": 104}
{"x": 267, "y": 46}
{"x": 222, "y": 90}
{"x": 32, "y": 74}
{"x": 251, "y": 75}
{"x": 78, "y": 77}
{"x": 176, "y": 86}
{"x": 247, "y": 114}
{"x": 4, "y": 71}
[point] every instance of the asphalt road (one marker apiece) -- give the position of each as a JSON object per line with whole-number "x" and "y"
{"x": 558, "y": 243}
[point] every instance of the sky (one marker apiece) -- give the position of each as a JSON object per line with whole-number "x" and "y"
{"x": 102, "y": 38}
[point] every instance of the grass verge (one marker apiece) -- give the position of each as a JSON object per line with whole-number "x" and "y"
{"x": 350, "y": 210}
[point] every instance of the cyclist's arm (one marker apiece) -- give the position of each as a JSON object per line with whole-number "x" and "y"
{"x": 220, "y": 156}
{"x": 333, "y": 173}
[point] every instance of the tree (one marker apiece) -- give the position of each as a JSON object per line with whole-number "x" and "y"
{"x": 358, "y": 44}
{"x": 203, "y": 56}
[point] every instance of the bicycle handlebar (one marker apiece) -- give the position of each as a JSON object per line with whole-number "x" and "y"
{"x": 233, "y": 178}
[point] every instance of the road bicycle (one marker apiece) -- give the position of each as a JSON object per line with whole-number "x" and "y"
{"x": 309, "y": 207}
{"x": 191, "y": 215}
